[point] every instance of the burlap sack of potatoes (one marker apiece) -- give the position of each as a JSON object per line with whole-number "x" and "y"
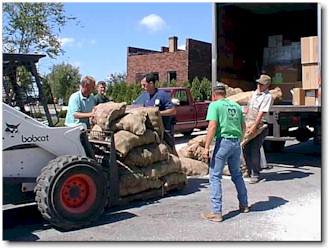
{"x": 197, "y": 152}
{"x": 125, "y": 140}
{"x": 201, "y": 140}
{"x": 244, "y": 97}
{"x": 184, "y": 152}
{"x": 247, "y": 137}
{"x": 173, "y": 179}
{"x": 107, "y": 112}
{"x": 97, "y": 133}
{"x": 192, "y": 167}
{"x": 132, "y": 183}
{"x": 162, "y": 168}
{"x": 241, "y": 98}
{"x": 277, "y": 95}
{"x": 153, "y": 119}
{"x": 145, "y": 155}
{"x": 133, "y": 122}
{"x": 232, "y": 91}
{"x": 194, "y": 151}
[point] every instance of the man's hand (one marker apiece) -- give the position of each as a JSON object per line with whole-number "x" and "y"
{"x": 93, "y": 112}
{"x": 251, "y": 130}
{"x": 205, "y": 155}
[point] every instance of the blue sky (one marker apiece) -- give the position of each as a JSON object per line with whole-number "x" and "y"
{"x": 100, "y": 47}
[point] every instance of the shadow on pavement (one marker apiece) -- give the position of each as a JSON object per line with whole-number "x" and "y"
{"x": 19, "y": 223}
{"x": 297, "y": 155}
{"x": 271, "y": 203}
{"x": 283, "y": 175}
{"x": 111, "y": 217}
{"x": 194, "y": 184}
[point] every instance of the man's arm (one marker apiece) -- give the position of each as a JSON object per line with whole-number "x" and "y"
{"x": 212, "y": 126}
{"x": 244, "y": 127}
{"x": 169, "y": 112}
{"x": 78, "y": 115}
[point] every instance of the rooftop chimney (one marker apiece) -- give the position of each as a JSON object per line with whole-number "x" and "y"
{"x": 173, "y": 44}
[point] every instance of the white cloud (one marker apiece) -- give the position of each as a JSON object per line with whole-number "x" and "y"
{"x": 66, "y": 41}
{"x": 182, "y": 47}
{"x": 72, "y": 42}
{"x": 153, "y": 22}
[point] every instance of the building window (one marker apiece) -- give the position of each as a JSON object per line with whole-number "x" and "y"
{"x": 171, "y": 76}
{"x": 138, "y": 77}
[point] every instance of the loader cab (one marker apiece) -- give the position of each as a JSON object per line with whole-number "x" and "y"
{"x": 23, "y": 89}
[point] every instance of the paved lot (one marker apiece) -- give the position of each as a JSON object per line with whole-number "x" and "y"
{"x": 285, "y": 206}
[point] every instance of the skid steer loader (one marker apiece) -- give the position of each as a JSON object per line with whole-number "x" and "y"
{"x": 59, "y": 168}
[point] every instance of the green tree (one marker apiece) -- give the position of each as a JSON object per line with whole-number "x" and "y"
{"x": 196, "y": 89}
{"x": 47, "y": 89}
{"x": 116, "y": 78}
{"x": 63, "y": 80}
{"x": 33, "y": 27}
{"x": 205, "y": 89}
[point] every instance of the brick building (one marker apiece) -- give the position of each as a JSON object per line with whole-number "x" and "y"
{"x": 171, "y": 63}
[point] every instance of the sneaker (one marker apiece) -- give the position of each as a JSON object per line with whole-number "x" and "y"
{"x": 216, "y": 217}
{"x": 244, "y": 209}
{"x": 254, "y": 180}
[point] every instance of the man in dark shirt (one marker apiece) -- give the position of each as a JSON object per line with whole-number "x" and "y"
{"x": 159, "y": 98}
{"x": 100, "y": 97}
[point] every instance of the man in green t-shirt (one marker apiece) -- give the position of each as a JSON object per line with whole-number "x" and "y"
{"x": 227, "y": 126}
{"x": 100, "y": 97}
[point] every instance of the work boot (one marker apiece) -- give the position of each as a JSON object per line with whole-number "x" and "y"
{"x": 254, "y": 179}
{"x": 243, "y": 209}
{"x": 216, "y": 217}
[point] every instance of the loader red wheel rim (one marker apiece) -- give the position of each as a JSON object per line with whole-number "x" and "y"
{"x": 78, "y": 193}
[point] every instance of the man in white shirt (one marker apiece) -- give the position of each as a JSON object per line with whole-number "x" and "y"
{"x": 257, "y": 113}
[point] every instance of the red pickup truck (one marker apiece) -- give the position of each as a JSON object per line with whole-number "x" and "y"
{"x": 189, "y": 114}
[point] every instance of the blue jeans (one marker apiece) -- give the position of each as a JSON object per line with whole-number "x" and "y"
{"x": 251, "y": 153}
{"x": 226, "y": 150}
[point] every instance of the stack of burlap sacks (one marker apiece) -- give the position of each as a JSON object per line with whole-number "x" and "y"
{"x": 145, "y": 161}
{"x": 191, "y": 154}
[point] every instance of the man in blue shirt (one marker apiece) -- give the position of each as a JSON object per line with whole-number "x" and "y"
{"x": 81, "y": 104}
{"x": 160, "y": 98}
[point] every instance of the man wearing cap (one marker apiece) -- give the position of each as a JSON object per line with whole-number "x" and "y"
{"x": 257, "y": 114}
{"x": 227, "y": 125}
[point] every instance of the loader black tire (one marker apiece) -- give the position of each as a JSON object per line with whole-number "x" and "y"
{"x": 71, "y": 192}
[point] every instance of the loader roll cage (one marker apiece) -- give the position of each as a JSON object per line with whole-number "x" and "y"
{"x": 23, "y": 89}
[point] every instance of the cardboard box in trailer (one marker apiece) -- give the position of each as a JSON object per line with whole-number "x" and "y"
{"x": 255, "y": 38}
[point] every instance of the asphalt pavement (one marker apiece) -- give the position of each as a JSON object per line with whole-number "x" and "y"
{"x": 284, "y": 206}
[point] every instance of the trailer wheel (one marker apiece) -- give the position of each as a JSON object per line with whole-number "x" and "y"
{"x": 274, "y": 146}
{"x": 303, "y": 134}
{"x": 71, "y": 192}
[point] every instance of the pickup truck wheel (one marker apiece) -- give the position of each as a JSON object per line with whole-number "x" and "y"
{"x": 187, "y": 133}
{"x": 273, "y": 146}
{"x": 71, "y": 192}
